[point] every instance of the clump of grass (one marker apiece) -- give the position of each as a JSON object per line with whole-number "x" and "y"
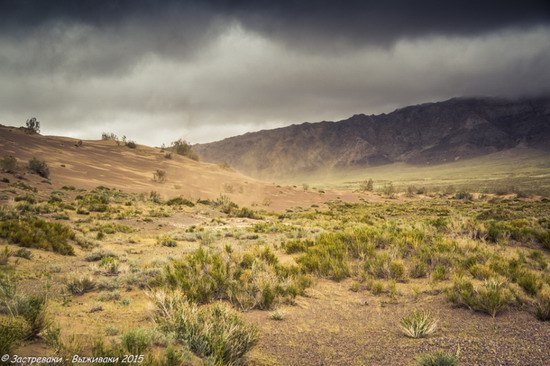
{"x": 437, "y": 358}
{"x": 81, "y": 285}
{"x": 213, "y": 331}
{"x": 277, "y": 315}
{"x": 111, "y": 266}
{"x": 418, "y": 324}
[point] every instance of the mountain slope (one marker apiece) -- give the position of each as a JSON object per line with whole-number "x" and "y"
{"x": 431, "y": 133}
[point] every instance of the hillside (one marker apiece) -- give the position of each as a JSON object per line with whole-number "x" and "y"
{"x": 432, "y": 133}
{"x": 104, "y": 163}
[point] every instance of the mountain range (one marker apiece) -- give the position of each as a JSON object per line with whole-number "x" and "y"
{"x": 430, "y": 133}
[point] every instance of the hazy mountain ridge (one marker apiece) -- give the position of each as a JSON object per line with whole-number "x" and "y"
{"x": 430, "y": 133}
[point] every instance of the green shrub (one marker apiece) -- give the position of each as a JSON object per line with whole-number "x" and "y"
{"x": 492, "y": 297}
{"x": 481, "y": 271}
{"x": 32, "y": 308}
{"x": 249, "y": 281}
{"x": 437, "y": 358}
{"x": 182, "y": 147}
{"x": 137, "y": 341}
{"x": 463, "y": 195}
{"x": 418, "y": 269}
{"x": 98, "y": 255}
{"x": 418, "y": 324}
{"x": 179, "y": 201}
{"x": 12, "y": 331}
{"x": 33, "y": 232}
{"x": 246, "y": 213}
{"x": 80, "y": 285}
{"x": 297, "y": 245}
{"x": 166, "y": 241}
{"x": 39, "y": 167}
{"x": 529, "y": 281}
{"x": 213, "y": 331}
{"x": 328, "y": 258}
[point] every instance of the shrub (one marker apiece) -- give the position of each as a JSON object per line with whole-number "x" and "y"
{"x": 492, "y": 297}
{"x": 98, "y": 255}
{"x": 249, "y": 281}
{"x": 81, "y": 285}
{"x": 39, "y": 167}
{"x": 181, "y": 147}
{"x": 213, "y": 331}
{"x": 542, "y": 304}
{"x": 9, "y": 164}
{"x": 12, "y": 331}
{"x": 33, "y": 232}
{"x": 106, "y": 136}
{"x": 437, "y": 358}
{"x": 463, "y": 195}
{"x": 23, "y": 253}
{"x": 367, "y": 185}
{"x": 131, "y": 144}
{"x": 297, "y": 245}
{"x": 328, "y": 258}
{"x": 418, "y": 324}
{"x": 180, "y": 201}
{"x": 246, "y": 213}
{"x": 137, "y": 341}
{"x": 529, "y": 281}
{"x": 32, "y": 308}
{"x": 166, "y": 241}
{"x": 419, "y": 269}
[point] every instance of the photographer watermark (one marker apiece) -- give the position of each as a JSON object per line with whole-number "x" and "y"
{"x": 75, "y": 359}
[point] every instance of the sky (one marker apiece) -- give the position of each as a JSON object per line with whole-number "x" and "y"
{"x": 157, "y": 71}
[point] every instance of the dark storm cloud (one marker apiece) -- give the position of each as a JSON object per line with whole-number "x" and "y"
{"x": 355, "y": 21}
{"x": 209, "y": 69}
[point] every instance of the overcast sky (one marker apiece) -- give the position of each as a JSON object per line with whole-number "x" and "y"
{"x": 156, "y": 71}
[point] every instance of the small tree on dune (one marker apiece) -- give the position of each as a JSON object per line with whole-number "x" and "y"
{"x": 33, "y": 125}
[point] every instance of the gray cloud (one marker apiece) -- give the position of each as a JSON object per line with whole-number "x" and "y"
{"x": 209, "y": 70}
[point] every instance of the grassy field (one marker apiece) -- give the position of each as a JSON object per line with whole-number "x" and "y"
{"x": 521, "y": 169}
{"x": 399, "y": 279}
